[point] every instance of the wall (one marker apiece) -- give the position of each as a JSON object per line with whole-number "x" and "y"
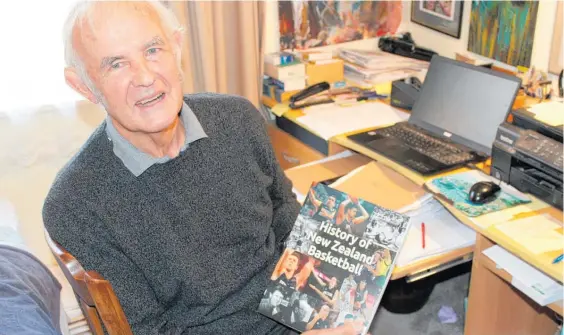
{"x": 33, "y": 148}
{"x": 441, "y": 43}
{"x": 448, "y": 46}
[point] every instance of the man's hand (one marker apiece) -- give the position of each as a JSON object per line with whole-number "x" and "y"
{"x": 352, "y": 328}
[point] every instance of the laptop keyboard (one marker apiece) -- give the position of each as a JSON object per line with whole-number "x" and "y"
{"x": 429, "y": 146}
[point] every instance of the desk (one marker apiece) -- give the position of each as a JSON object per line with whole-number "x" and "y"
{"x": 495, "y": 307}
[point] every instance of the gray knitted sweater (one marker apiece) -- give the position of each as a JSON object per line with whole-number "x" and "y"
{"x": 188, "y": 245}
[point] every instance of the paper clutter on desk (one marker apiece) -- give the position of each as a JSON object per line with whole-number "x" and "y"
{"x": 280, "y": 109}
{"x": 443, "y": 232}
{"x": 329, "y": 120}
{"x": 538, "y": 234}
{"x": 536, "y": 285}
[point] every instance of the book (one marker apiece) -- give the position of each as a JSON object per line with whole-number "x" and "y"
{"x": 279, "y": 58}
{"x": 286, "y": 71}
{"x": 312, "y": 56}
{"x": 290, "y": 84}
{"x": 336, "y": 263}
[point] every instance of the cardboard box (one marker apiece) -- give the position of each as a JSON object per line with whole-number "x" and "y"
{"x": 304, "y": 175}
{"x": 328, "y": 70}
{"x": 284, "y": 72}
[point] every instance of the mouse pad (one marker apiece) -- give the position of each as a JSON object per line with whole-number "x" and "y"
{"x": 455, "y": 187}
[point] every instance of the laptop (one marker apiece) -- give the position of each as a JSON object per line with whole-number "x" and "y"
{"x": 453, "y": 122}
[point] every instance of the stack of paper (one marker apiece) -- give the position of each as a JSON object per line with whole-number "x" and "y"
{"x": 443, "y": 232}
{"x": 538, "y": 234}
{"x": 331, "y": 119}
{"x": 551, "y": 113}
{"x": 367, "y": 66}
{"x": 526, "y": 278}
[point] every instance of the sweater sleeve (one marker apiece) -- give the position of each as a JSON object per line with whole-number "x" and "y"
{"x": 81, "y": 234}
{"x": 285, "y": 205}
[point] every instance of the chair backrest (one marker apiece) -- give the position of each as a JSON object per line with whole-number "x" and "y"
{"x": 95, "y": 295}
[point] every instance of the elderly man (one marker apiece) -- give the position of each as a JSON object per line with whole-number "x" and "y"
{"x": 177, "y": 200}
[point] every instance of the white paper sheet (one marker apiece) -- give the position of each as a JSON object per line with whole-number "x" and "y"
{"x": 551, "y": 113}
{"x": 536, "y": 285}
{"x": 344, "y": 154}
{"x": 443, "y": 233}
{"x": 537, "y": 233}
{"x": 329, "y": 120}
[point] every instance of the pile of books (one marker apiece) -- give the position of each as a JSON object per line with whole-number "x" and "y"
{"x": 375, "y": 67}
{"x": 285, "y": 75}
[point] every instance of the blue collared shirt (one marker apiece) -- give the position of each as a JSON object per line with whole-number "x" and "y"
{"x": 135, "y": 160}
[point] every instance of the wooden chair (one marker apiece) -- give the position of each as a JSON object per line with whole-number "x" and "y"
{"x": 95, "y": 295}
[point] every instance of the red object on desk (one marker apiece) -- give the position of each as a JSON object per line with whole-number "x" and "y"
{"x": 423, "y": 235}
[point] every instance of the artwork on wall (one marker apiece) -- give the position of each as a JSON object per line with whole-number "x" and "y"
{"x": 442, "y": 16}
{"x": 503, "y": 30}
{"x": 309, "y": 24}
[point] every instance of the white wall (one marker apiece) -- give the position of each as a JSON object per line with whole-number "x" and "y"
{"x": 441, "y": 43}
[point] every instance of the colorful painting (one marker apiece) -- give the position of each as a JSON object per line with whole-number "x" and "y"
{"x": 503, "y": 30}
{"x": 310, "y": 24}
{"x": 443, "y": 16}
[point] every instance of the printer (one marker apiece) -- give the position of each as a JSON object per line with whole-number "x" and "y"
{"x": 529, "y": 160}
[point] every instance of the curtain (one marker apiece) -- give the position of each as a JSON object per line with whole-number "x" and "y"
{"x": 224, "y": 45}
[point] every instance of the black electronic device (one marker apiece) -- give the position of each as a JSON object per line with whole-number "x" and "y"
{"x": 405, "y": 92}
{"x": 453, "y": 121}
{"x": 483, "y": 192}
{"x": 529, "y": 161}
{"x": 310, "y": 91}
{"x": 525, "y": 119}
{"x": 404, "y": 45}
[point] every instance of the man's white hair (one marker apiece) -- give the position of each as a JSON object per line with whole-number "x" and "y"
{"x": 82, "y": 13}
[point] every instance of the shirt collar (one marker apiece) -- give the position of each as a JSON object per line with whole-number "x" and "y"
{"x": 137, "y": 161}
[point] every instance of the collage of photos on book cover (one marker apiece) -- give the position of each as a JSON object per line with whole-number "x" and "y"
{"x": 336, "y": 262}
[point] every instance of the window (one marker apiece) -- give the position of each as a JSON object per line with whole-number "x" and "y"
{"x": 32, "y": 56}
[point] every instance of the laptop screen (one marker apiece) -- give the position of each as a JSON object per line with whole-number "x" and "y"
{"x": 463, "y": 102}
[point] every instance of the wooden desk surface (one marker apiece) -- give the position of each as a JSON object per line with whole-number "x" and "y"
{"x": 542, "y": 262}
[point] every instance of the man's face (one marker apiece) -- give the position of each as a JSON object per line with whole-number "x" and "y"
{"x": 362, "y": 285}
{"x": 133, "y": 64}
{"x": 333, "y": 282}
{"x": 331, "y": 202}
{"x": 351, "y": 214}
{"x": 276, "y": 298}
{"x": 291, "y": 263}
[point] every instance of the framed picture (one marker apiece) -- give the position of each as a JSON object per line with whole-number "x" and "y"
{"x": 442, "y": 16}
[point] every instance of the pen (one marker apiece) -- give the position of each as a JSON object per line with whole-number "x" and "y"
{"x": 423, "y": 235}
{"x": 558, "y": 259}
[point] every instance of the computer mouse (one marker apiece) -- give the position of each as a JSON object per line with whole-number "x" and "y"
{"x": 483, "y": 192}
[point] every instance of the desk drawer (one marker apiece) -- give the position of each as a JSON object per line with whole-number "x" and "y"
{"x": 290, "y": 151}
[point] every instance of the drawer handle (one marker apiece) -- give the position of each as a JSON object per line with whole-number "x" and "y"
{"x": 290, "y": 159}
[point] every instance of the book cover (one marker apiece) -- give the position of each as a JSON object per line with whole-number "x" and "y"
{"x": 337, "y": 261}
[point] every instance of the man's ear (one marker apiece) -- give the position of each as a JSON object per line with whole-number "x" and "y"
{"x": 75, "y": 82}
{"x": 177, "y": 38}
